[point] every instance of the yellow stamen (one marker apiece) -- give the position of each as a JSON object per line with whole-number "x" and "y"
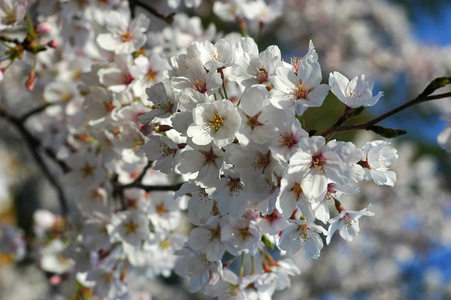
{"x": 216, "y": 121}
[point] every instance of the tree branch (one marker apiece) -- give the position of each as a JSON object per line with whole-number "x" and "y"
{"x": 167, "y": 18}
{"x": 368, "y": 125}
{"x": 147, "y": 188}
{"x": 39, "y": 109}
{"x": 33, "y": 144}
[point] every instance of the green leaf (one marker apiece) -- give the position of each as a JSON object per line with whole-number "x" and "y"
{"x": 387, "y": 132}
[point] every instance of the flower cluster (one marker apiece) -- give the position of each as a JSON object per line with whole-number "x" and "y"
{"x": 148, "y": 128}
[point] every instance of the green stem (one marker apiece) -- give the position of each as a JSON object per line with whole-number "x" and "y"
{"x": 225, "y": 91}
{"x": 242, "y": 265}
{"x": 230, "y": 260}
{"x": 30, "y": 24}
{"x": 222, "y": 96}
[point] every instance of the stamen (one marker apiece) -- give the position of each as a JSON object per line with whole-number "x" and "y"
{"x": 216, "y": 121}
{"x": 318, "y": 162}
{"x": 301, "y": 90}
{"x": 288, "y": 140}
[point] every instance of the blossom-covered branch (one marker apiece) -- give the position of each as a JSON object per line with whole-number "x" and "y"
{"x": 151, "y": 126}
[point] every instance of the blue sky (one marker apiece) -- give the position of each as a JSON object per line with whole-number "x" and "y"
{"x": 434, "y": 28}
{"x": 431, "y": 27}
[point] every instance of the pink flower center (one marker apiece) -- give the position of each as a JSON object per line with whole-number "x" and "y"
{"x": 128, "y": 78}
{"x": 200, "y": 86}
{"x": 261, "y": 75}
{"x": 288, "y": 139}
{"x": 253, "y": 121}
{"x": 347, "y": 220}
{"x": 209, "y": 157}
{"x": 318, "y": 161}
{"x": 262, "y": 161}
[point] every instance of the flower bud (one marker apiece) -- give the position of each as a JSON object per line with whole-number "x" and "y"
{"x": 30, "y": 82}
{"x": 53, "y": 44}
{"x": 43, "y": 28}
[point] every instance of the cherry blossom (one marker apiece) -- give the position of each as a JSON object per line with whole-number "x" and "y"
{"x": 347, "y": 223}
{"x": 182, "y": 151}
{"x": 302, "y": 234}
{"x": 379, "y": 157}
{"x": 123, "y": 37}
{"x": 354, "y": 93}
{"x": 215, "y": 122}
{"x": 12, "y": 13}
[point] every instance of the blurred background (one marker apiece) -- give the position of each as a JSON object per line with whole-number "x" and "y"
{"x": 404, "y": 252}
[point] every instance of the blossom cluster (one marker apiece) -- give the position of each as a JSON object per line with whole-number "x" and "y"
{"x": 152, "y": 127}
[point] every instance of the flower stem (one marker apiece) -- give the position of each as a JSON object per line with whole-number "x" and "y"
{"x": 242, "y": 265}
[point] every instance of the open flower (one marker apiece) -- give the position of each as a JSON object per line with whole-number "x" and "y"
{"x": 298, "y": 85}
{"x": 302, "y": 234}
{"x": 320, "y": 163}
{"x": 124, "y": 36}
{"x": 216, "y": 121}
{"x": 347, "y": 223}
{"x": 355, "y": 93}
{"x": 379, "y": 156}
{"x": 12, "y": 12}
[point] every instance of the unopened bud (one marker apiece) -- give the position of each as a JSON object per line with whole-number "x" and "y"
{"x": 53, "y": 44}
{"x": 252, "y": 214}
{"x": 437, "y": 83}
{"x": 146, "y": 129}
{"x": 30, "y": 82}
{"x": 269, "y": 87}
{"x": 55, "y": 280}
{"x": 43, "y": 28}
{"x": 338, "y": 206}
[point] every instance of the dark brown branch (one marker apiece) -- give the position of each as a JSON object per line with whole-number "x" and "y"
{"x": 9, "y": 40}
{"x": 33, "y": 144}
{"x": 39, "y": 109}
{"x": 143, "y": 173}
{"x": 148, "y": 188}
{"x": 167, "y": 18}
{"x": 368, "y": 125}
